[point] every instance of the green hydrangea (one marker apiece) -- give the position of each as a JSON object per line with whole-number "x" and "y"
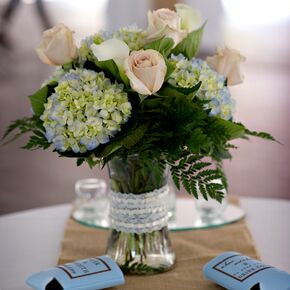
{"x": 132, "y": 35}
{"x": 189, "y": 73}
{"x": 85, "y": 111}
{"x": 85, "y": 52}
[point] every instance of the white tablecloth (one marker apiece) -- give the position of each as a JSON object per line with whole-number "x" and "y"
{"x": 30, "y": 240}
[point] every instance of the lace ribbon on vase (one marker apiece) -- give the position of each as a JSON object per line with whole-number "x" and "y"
{"x": 139, "y": 213}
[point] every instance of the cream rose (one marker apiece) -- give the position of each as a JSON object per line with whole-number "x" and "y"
{"x": 165, "y": 22}
{"x": 57, "y": 46}
{"x": 146, "y": 70}
{"x": 176, "y": 25}
{"x": 227, "y": 62}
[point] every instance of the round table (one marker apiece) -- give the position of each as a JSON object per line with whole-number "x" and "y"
{"x": 30, "y": 240}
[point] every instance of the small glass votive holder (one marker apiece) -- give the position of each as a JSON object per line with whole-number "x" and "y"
{"x": 92, "y": 201}
{"x": 210, "y": 210}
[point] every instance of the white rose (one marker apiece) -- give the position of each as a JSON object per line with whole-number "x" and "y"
{"x": 146, "y": 70}
{"x": 227, "y": 62}
{"x": 165, "y": 22}
{"x": 191, "y": 19}
{"x": 57, "y": 46}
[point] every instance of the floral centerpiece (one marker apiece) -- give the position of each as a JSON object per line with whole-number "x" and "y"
{"x": 140, "y": 102}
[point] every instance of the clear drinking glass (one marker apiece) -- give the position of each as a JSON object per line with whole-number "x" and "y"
{"x": 92, "y": 201}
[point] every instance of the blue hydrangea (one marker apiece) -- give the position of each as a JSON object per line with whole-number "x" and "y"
{"x": 189, "y": 72}
{"x": 85, "y": 110}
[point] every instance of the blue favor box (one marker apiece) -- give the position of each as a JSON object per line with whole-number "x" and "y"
{"x": 234, "y": 271}
{"x": 88, "y": 274}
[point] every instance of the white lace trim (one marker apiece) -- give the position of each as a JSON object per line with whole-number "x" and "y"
{"x": 139, "y": 213}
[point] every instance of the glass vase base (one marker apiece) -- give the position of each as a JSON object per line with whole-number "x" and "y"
{"x": 153, "y": 265}
{"x": 141, "y": 254}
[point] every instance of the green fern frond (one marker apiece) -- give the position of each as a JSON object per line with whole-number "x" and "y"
{"x": 199, "y": 177}
{"x": 262, "y": 135}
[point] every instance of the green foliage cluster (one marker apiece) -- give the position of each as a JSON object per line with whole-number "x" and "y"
{"x": 31, "y": 125}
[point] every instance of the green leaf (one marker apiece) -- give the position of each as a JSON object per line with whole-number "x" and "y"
{"x": 193, "y": 187}
{"x": 202, "y": 190}
{"x": 198, "y": 165}
{"x": 124, "y": 77}
{"x": 175, "y": 176}
{"x": 109, "y": 149}
{"x": 197, "y": 176}
{"x": 163, "y": 45}
{"x": 127, "y": 141}
{"x": 221, "y": 128}
{"x": 222, "y": 154}
{"x": 36, "y": 142}
{"x": 38, "y": 100}
{"x": 92, "y": 162}
{"x": 135, "y": 136}
{"x": 263, "y": 135}
{"x": 11, "y": 128}
{"x": 142, "y": 97}
{"x": 169, "y": 90}
{"x": 186, "y": 183}
{"x": 187, "y": 91}
{"x": 27, "y": 125}
{"x": 152, "y": 103}
{"x": 170, "y": 68}
{"x": 198, "y": 141}
{"x": 80, "y": 161}
{"x": 110, "y": 67}
{"x": 174, "y": 91}
{"x": 190, "y": 45}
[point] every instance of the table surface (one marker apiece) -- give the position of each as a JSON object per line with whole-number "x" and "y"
{"x": 30, "y": 240}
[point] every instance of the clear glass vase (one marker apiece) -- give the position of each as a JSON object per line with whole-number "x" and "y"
{"x": 139, "y": 251}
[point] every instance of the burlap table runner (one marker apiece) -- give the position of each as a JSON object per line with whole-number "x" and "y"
{"x": 193, "y": 249}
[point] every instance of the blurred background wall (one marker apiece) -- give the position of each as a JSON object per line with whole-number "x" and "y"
{"x": 259, "y": 29}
